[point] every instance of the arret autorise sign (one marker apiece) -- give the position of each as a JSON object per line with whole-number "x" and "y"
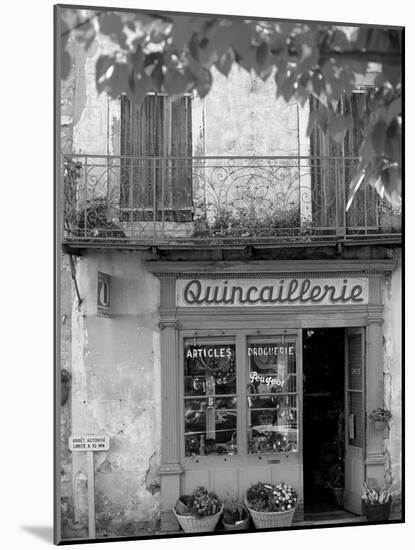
{"x": 89, "y": 443}
{"x": 272, "y": 292}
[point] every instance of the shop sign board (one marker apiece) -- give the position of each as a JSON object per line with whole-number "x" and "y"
{"x": 89, "y": 443}
{"x": 104, "y": 294}
{"x": 288, "y": 291}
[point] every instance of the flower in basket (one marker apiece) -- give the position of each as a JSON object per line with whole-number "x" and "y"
{"x": 380, "y": 415}
{"x": 263, "y": 497}
{"x": 198, "y": 512}
{"x": 373, "y": 494}
{"x": 203, "y": 503}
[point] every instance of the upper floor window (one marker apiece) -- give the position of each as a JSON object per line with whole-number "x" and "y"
{"x": 156, "y": 146}
{"x": 333, "y": 166}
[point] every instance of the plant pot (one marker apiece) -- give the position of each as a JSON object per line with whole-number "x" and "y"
{"x": 380, "y": 425}
{"x": 240, "y": 525}
{"x": 269, "y": 520}
{"x": 337, "y": 493}
{"x": 377, "y": 512}
{"x": 192, "y": 524}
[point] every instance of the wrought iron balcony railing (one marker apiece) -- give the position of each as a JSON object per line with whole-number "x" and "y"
{"x": 216, "y": 200}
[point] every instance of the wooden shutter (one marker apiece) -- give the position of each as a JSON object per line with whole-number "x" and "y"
{"x": 181, "y": 151}
{"x": 152, "y": 134}
{"x": 331, "y": 179}
{"x": 363, "y": 211}
{"x": 326, "y": 180}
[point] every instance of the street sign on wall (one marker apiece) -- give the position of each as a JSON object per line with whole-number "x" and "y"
{"x": 89, "y": 443}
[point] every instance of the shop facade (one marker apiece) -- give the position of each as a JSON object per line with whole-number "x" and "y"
{"x": 237, "y": 332}
{"x": 248, "y": 326}
{"x": 202, "y": 375}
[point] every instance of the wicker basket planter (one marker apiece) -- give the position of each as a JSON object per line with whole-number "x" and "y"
{"x": 268, "y": 520}
{"x": 193, "y": 524}
{"x": 180, "y": 508}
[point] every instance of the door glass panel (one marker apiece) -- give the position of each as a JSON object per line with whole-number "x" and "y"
{"x": 210, "y": 416}
{"x": 272, "y": 398}
{"x": 355, "y": 390}
{"x": 356, "y": 419}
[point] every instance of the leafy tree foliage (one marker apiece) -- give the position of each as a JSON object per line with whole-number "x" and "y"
{"x": 176, "y": 53}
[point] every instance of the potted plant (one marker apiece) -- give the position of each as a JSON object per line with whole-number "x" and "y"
{"x": 271, "y": 505}
{"x": 376, "y": 501}
{"x": 380, "y": 417}
{"x": 198, "y": 512}
{"x": 335, "y": 482}
{"x": 235, "y": 516}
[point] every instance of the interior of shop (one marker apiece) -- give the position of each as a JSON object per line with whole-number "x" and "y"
{"x": 323, "y": 420}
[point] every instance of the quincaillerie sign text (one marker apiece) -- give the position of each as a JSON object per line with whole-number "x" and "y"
{"x": 272, "y": 292}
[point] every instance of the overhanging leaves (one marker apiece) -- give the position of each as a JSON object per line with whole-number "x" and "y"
{"x": 176, "y": 54}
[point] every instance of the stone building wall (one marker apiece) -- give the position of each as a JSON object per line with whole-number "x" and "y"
{"x": 392, "y": 337}
{"x": 116, "y": 391}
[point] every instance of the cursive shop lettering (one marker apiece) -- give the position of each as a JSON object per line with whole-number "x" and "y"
{"x": 201, "y": 385}
{"x": 292, "y": 291}
{"x": 268, "y": 380}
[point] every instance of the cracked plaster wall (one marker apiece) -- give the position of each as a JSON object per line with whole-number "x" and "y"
{"x": 116, "y": 391}
{"x": 392, "y": 331}
{"x": 241, "y": 116}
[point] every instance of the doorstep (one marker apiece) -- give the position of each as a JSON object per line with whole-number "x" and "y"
{"x": 325, "y": 519}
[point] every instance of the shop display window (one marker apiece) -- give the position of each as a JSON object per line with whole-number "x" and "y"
{"x": 214, "y": 410}
{"x": 210, "y": 401}
{"x": 272, "y": 398}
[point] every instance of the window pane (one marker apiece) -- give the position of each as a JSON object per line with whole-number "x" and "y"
{"x": 272, "y": 429}
{"x": 210, "y": 399}
{"x": 272, "y": 367}
{"x": 272, "y": 414}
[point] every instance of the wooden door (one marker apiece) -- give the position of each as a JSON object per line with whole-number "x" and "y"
{"x": 243, "y": 425}
{"x": 355, "y": 419}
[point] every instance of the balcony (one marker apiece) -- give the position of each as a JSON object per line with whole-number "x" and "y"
{"x": 219, "y": 202}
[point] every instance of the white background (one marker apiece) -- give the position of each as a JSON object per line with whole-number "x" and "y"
{"x": 26, "y": 303}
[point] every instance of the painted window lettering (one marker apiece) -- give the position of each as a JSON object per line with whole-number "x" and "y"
{"x": 270, "y": 350}
{"x": 268, "y": 380}
{"x": 208, "y": 352}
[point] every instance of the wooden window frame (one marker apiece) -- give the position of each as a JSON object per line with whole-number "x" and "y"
{"x": 240, "y": 338}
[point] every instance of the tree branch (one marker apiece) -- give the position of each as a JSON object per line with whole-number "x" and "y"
{"x": 361, "y": 55}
